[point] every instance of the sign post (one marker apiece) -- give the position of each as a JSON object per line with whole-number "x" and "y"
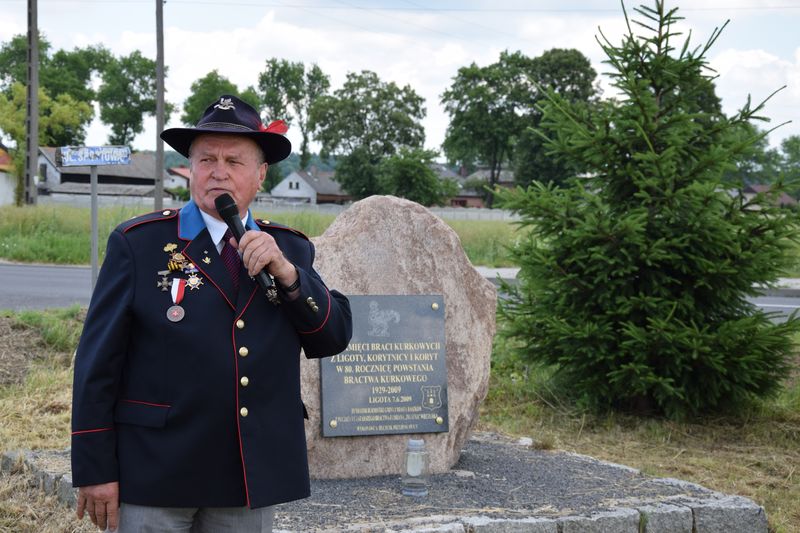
{"x": 93, "y": 156}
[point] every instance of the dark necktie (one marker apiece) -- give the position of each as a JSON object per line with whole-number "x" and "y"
{"x": 231, "y": 259}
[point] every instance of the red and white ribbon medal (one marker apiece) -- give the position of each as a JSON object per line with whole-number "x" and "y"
{"x": 176, "y": 312}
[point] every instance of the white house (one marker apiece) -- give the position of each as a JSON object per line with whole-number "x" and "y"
{"x": 177, "y": 177}
{"x": 314, "y": 187}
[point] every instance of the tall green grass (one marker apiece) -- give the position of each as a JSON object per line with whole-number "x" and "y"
{"x": 62, "y": 234}
{"x": 55, "y": 234}
{"x": 485, "y": 242}
{"x": 310, "y": 223}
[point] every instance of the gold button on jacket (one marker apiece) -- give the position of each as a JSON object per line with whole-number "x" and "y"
{"x": 243, "y": 351}
{"x": 243, "y": 412}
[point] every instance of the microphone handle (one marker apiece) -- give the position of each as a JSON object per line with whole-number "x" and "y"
{"x": 262, "y": 278}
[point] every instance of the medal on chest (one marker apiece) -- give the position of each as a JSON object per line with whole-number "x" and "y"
{"x": 176, "y": 313}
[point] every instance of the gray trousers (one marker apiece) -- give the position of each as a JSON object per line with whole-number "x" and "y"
{"x": 141, "y": 519}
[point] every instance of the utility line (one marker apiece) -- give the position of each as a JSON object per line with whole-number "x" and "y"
{"x": 312, "y": 7}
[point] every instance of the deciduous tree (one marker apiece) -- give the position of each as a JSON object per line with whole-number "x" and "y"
{"x": 208, "y": 88}
{"x": 127, "y": 94}
{"x": 64, "y": 72}
{"x": 569, "y": 74}
{"x": 288, "y": 90}
{"x": 364, "y": 121}
{"x": 486, "y": 105}
{"x": 790, "y": 159}
{"x": 60, "y": 117}
{"x": 408, "y": 174}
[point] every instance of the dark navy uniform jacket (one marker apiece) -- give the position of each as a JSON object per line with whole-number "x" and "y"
{"x": 205, "y": 411}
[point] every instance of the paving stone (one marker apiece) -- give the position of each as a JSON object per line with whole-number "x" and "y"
{"x": 731, "y": 514}
{"x": 483, "y": 524}
{"x": 617, "y": 521}
{"x": 11, "y": 460}
{"x": 65, "y": 491}
{"x": 441, "y": 528}
{"x": 664, "y": 518}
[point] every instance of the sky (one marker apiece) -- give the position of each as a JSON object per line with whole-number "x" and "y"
{"x": 422, "y": 44}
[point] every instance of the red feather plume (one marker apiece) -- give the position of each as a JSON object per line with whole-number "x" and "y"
{"x": 276, "y": 126}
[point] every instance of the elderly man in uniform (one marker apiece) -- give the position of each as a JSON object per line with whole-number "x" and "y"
{"x": 187, "y": 413}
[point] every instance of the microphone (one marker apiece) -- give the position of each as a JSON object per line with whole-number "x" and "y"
{"x": 229, "y": 212}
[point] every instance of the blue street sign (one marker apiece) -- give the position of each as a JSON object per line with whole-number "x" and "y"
{"x": 78, "y": 156}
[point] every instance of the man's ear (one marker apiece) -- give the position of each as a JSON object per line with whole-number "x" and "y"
{"x": 263, "y": 173}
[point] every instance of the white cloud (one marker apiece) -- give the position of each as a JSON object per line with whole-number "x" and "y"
{"x": 759, "y": 74}
{"x": 421, "y": 48}
{"x": 11, "y": 25}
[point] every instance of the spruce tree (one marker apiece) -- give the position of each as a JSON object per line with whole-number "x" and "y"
{"x": 634, "y": 280}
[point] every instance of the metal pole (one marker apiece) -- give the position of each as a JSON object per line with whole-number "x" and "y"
{"x": 159, "y": 183}
{"x": 93, "y": 182}
{"x": 32, "y": 138}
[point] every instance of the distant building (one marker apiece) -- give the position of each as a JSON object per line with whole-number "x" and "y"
{"x": 471, "y": 187}
{"x": 313, "y": 187}
{"x": 783, "y": 200}
{"x": 506, "y": 178}
{"x": 7, "y": 181}
{"x": 466, "y": 196}
{"x": 177, "y": 177}
{"x": 136, "y": 179}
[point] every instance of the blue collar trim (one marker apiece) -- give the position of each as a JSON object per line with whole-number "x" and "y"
{"x": 191, "y": 222}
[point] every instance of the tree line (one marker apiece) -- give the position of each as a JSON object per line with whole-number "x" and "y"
{"x": 371, "y": 128}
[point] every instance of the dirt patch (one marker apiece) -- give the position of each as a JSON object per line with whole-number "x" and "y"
{"x": 19, "y": 345}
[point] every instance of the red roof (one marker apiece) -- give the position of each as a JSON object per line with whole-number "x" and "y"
{"x": 179, "y": 171}
{"x": 5, "y": 160}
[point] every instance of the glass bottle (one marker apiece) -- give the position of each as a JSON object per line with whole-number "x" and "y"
{"x": 415, "y": 472}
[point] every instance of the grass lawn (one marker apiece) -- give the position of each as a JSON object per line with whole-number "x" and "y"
{"x": 62, "y": 234}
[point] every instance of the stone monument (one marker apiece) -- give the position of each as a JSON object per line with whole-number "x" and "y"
{"x": 384, "y": 245}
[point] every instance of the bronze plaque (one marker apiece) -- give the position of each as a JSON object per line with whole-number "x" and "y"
{"x": 392, "y": 378}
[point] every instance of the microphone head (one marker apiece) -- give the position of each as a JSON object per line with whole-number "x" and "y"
{"x": 226, "y": 206}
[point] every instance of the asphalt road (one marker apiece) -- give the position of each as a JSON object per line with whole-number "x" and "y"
{"x": 24, "y": 286}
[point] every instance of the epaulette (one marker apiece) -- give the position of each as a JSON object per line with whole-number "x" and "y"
{"x": 155, "y": 216}
{"x": 267, "y": 224}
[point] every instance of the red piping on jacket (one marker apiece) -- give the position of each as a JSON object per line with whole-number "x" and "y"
{"x": 197, "y": 266}
{"x": 236, "y": 384}
{"x": 91, "y": 431}
{"x": 327, "y": 315}
{"x": 163, "y": 217}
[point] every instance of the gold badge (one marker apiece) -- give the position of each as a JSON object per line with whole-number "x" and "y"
{"x": 177, "y": 262}
{"x": 194, "y": 281}
{"x": 170, "y": 247}
{"x": 207, "y": 260}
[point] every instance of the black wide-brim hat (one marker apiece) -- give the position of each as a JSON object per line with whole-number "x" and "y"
{"x": 230, "y": 115}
